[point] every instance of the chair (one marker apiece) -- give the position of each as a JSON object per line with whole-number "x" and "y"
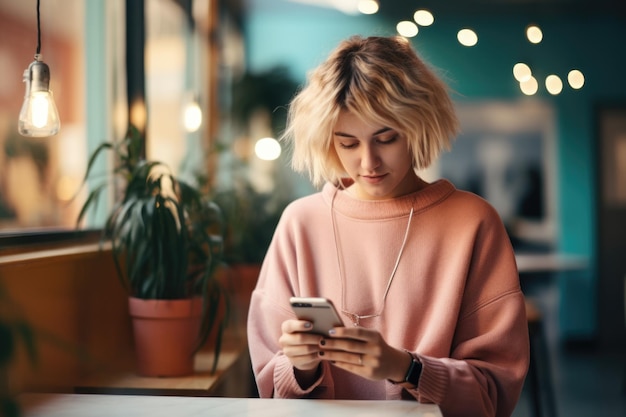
{"x": 539, "y": 378}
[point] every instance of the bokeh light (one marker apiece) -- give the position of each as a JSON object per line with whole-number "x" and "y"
{"x": 521, "y": 72}
{"x": 534, "y": 34}
{"x": 554, "y": 85}
{"x": 407, "y": 29}
{"x": 530, "y": 86}
{"x": 423, "y": 18}
{"x": 467, "y": 37}
{"x": 267, "y": 149}
{"x": 368, "y": 6}
{"x": 576, "y": 79}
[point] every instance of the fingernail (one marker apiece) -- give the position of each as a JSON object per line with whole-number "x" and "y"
{"x": 332, "y": 332}
{"x": 307, "y": 325}
{"x": 322, "y": 342}
{"x": 321, "y": 353}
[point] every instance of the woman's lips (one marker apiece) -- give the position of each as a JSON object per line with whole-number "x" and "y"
{"x": 373, "y": 179}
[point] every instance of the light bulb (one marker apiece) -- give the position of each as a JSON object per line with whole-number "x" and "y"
{"x": 407, "y": 29}
{"x": 423, "y": 17}
{"x": 39, "y": 116}
{"x": 534, "y": 34}
{"x": 554, "y": 85}
{"x": 267, "y": 149}
{"x": 522, "y": 72}
{"x": 368, "y": 6}
{"x": 530, "y": 86}
{"x": 576, "y": 79}
{"x": 192, "y": 116}
{"x": 467, "y": 37}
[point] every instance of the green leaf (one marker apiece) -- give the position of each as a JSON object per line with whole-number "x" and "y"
{"x": 25, "y": 331}
{"x": 9, "y": 408}
{"x": 92, "y": 200}
{"x": 7, "y": 344}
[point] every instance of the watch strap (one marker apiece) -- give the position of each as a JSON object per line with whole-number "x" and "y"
{"x": 413, "y": 373}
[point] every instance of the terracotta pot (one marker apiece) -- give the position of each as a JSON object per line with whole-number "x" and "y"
{"x": 165, "y": 333}
{"x": 245, "y": 278}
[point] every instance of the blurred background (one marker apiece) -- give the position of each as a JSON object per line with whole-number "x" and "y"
{"x": 539, "y": 87}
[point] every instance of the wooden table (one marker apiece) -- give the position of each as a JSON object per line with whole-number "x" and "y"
{"x": 85, "y": 405}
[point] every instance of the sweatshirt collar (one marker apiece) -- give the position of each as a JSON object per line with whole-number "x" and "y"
{"x": 429, "y": 195}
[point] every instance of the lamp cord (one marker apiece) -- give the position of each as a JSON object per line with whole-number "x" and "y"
{"x": 38, "y": 31}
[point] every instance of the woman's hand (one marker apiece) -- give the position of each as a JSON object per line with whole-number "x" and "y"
{"x": 301, "y": 347}
{"x": 364, "y": 352}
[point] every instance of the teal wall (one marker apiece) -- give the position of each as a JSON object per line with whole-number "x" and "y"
{"x": 300, "y": 37}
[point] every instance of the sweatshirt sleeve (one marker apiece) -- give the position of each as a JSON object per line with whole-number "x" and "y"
{"x": 484, "y": 374}
{"x": 269, "y": 307}
{"x": 273, "y": 372}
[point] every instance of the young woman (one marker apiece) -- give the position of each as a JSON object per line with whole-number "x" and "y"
{"x": 423, "y": 274}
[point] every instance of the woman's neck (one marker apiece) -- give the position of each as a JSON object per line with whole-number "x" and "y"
{"x": 411, "y": 183}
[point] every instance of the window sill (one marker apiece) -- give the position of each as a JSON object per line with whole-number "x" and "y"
{"x": 50, "y": 254}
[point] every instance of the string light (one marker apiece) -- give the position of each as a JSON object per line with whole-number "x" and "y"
{"x": 576, "y": 79}
{"x": 423, "y": 17}
{"x": 534, "y": 34}
{"x": 521, "y": 72}
{"x": 530, "y": 86}
{"x": 554, "y": 85}
{"x": 407, "y": 29}
{"x": 467, "y": 37}
{"x": 368, "y": 6}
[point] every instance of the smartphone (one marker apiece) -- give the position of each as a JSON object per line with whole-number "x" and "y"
{"x": 319, "y": 311}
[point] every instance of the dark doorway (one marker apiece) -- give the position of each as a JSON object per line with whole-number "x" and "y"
{"x": 611, "y": 212}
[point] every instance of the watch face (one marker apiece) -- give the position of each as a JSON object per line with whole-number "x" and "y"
{"x": 413, "y": 376}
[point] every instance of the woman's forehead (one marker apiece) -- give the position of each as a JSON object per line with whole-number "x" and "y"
{"x": 350, "y": 122}
{"x": 354, "y": 118}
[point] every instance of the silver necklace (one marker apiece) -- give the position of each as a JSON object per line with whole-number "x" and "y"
{"x": 356, "y": 318}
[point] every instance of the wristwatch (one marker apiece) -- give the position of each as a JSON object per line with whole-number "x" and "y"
{"x": 412, "y": 376}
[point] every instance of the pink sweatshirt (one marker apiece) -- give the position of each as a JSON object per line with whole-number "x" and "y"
{"x": 455, "y": 300}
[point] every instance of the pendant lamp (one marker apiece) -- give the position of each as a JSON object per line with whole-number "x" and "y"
{"x": 39, "y": 116}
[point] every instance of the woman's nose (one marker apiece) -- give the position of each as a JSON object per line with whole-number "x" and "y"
{"x": 370, "y": 159}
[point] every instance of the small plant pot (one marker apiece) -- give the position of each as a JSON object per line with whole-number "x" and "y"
{"x": 165, "y": 333}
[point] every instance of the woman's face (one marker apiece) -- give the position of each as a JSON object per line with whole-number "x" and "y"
{"x": 375, "y": 157}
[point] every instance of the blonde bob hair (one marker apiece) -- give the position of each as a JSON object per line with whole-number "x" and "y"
{"x": 382, "y": 80}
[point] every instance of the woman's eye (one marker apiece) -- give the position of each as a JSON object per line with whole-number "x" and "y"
{"x": 387, "y": 141}
{"x": 347, "y": 145}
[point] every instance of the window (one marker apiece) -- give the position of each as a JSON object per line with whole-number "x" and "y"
{"x": 84, "y": 44}
{"x": 39, "y": 175}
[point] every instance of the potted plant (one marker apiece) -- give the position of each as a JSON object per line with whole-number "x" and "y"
{"x": 166, "y": 242}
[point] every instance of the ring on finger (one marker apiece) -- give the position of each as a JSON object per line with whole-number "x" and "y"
{"x": 360, "y": 360}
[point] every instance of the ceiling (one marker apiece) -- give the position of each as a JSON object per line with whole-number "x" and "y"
{"x": 395, "y": 9}
{"x": 399, "y": 9}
